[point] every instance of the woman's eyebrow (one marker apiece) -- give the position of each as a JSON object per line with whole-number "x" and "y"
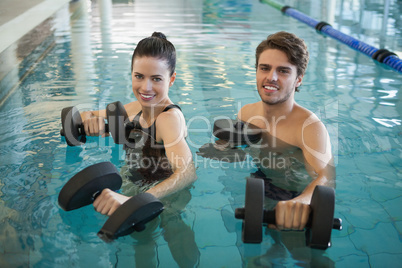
{"x": 153, "y": 76}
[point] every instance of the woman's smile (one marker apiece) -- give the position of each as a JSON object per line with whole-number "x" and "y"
{"x": 147, "y": 97}
{"x": 151, "y": 80}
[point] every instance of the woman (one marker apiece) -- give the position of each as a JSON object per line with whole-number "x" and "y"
{"x": 155, "y": 116}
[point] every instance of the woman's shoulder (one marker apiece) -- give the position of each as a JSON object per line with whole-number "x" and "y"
{"x": 174, "y": 113}
{"x": 171, "y": 122}
{"x": 132, "y": 108}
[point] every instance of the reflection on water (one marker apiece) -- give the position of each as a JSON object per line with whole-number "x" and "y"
{"x": 85, "y": 61}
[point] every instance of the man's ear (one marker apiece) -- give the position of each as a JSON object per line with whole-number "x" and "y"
{"x": 299, "y": 80}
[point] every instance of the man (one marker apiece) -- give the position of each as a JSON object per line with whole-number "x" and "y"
{"x": 292, "y": 132}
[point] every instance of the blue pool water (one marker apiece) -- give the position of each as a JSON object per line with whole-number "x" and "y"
{"x": 85, "y": 61}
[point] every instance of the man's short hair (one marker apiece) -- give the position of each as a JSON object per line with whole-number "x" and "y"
{"x": 293, "y": 46}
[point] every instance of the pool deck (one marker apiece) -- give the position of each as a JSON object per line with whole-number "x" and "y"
{"x": 18, "y": 17}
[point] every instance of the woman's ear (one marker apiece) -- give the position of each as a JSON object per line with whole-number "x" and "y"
{"x": 172, "y": 79}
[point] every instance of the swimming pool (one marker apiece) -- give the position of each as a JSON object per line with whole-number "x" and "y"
{"x": 86, "y": 62}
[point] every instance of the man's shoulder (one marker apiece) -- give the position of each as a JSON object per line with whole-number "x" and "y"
{"x": 302, "y": 114}
{"x": 306, "y": 122}
{"x": 249, "y": 110}
{"x": 250, "y": 105}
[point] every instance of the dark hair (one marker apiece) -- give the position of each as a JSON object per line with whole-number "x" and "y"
{"x": 156, "y": 46}
{"x": 293, "y": 46}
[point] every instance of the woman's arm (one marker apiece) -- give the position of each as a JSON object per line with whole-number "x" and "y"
{"x": 172, "y": 131}
{"x": 94, "y": 121}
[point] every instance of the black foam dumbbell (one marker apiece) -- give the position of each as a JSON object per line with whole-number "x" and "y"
{"x": 131, "y": 216}
{"x": 232, "y": 134}
{"x": 84, "y": 187}
{"x": 236, "y": 132}
{"x": 73, "y": 127}
{"x": 319, "y": 226}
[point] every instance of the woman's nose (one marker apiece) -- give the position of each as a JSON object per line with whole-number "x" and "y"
{"x": 146, "y": 85}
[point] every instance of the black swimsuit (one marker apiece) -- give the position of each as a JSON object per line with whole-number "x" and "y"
{"x": 147, "y": 159}
{"x": 152, "y": 129}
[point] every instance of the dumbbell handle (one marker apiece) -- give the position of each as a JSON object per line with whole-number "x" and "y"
{"x": 82, "y": 131}
{"x": 270, "y": 218}
{"x": 95, "y": 195}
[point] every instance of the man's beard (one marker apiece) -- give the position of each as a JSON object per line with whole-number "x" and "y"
{"x": 285, "y": 98}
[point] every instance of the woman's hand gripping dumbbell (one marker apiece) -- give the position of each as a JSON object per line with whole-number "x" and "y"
{"x": 117, "y": 124}
{"x": 86, "y": 186}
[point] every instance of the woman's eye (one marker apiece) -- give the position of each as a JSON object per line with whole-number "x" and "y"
{"x": 138, "y": 76}
{"x": 157, "y": 79}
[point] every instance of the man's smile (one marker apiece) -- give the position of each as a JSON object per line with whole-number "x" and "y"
{"x": 270, "y": 88}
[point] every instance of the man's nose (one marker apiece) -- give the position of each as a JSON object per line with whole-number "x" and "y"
{"x": 272, "y": 75}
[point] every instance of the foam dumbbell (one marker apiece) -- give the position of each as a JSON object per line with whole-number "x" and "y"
{"x": 231, "y": 134}
{"x": 319, "y": 226}
{"x": 73, "y": 127}
{"x": 131, "y": 216}
{"x": 236, "y": 132}
{"x": 84, "y": 187}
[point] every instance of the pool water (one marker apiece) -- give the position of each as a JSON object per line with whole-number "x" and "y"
{"x": 85, "y": 61}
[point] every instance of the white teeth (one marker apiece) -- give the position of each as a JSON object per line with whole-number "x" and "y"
{"x": 146, "y": 96}
{"x": 270, "y": 88}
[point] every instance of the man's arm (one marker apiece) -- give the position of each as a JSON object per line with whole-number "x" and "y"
{"x": 314, "y": 141}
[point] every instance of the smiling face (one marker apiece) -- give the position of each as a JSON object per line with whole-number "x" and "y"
{"x": 151, "y": 81}
{"x": 276, "y": 77}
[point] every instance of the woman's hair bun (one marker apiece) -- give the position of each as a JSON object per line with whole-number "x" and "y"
{"x": 159, "y": 34}
{"x": 156, "y": 46}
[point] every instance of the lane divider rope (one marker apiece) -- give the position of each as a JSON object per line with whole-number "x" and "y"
{"x": 384, "y": 56}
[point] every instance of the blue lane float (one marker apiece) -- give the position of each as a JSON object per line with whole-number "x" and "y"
{"x": 384, "y": 56}
{"x": 299, "y": 16}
